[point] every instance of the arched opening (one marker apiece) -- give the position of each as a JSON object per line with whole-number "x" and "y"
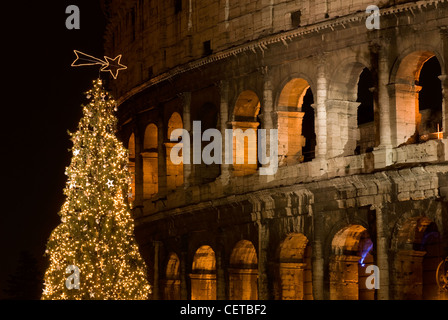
{"x": 418, "y": 114}
{"x": 351, "y": 255}
{"x": 150, "y": 162}
{"x": 294, "y": 269}
{"x": 131, "y": 166}
{"x": 172, "y": 278}
{"x": 245, "y": 123}
{"x": 174, "y": 172}
{"x": 419, "y": 251}
{"x": 243, "y": 272}
{"x": 296, "y": 128}
{"x": 203, "y": 276}
{"x": 365, "y": 116}
{"x": 430, "y": 100}
{"x": 350, "y": 117}
{"x": 208, "y": 116}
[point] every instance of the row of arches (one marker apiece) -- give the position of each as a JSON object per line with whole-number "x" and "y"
{"x": 417, "y": 252}
{"x": 352, "y": 120}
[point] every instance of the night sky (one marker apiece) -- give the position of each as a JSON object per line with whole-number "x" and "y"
{"x": 41, "y": 100}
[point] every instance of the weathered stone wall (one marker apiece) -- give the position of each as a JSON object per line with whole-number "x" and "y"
{"x": 397, "y": 193}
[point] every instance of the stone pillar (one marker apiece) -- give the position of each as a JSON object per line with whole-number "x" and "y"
{"x": 183, "y": 277}
{"x": 150, "y": 174}
{"x": 384, "y": 100}
{"x": 387, "y": 114}
{"x": 382, "y": 253}
{"x": 247, "y": 150}
{"x": 444, "y": 80}
{"x": 220, "y": 278}
{"x": 155, "y": 287}
{"x": 224, "y": 119}
{"x": 186, "y": 118}
{"x": 162, "y": 177}
{"x": 318, "y": 259}
{"x": 320, "y": 109}
{"x": 290, "y": 143}
{"x": 263, "y": 242}
{"x": 268, "y": 116}
{"x": 342, "y": 127}
{"x": 138, "y": 202}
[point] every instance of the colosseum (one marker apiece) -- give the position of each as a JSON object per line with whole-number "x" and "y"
{"x": 357, "y": 104}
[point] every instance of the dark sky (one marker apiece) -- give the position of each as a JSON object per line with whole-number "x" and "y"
{"x": 41, "y": 99}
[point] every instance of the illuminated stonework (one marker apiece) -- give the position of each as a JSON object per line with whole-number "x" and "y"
{"x": 362, "y": 123}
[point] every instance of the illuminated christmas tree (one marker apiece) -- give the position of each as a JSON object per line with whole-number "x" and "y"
{"x": 93, "y": 253}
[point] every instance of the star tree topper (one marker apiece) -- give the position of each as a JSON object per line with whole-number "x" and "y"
{"x": 109, "y": 64}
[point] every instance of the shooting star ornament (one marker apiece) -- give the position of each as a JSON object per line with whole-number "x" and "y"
{"x": 108, "y": 65}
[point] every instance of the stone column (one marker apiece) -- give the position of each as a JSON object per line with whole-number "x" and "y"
{"x": 318, "y": 260}
{"x": 384, "y": 100}
{"x": 161, "y": 134}
{"x": 268, "y": 116}
{"x": 342, "y": 127}
{"x": 444, "y": 80}
{"x": 382, "y": 253}
{"x": 387, "y": 114}
{"x": 224, "y": 120}
{"x": 186, "y": 118}
{"x": 290, "y": 143}
{"x": 263, "y": 241}
{"x": 155, "y": 287}
{"x": 183, "y": 277}
{"x": 320, "y": 109}
{"x": 220, "y": 278}
{"x": 138, "y": 202}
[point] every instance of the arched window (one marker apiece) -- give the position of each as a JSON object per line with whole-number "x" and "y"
{"x": 418, "y": 98}
{"x": 243, "y": 272}
{"x": 203, "y": 274}
{"x": 174, "y": 172}
{"x": 244, "y": 125}
{"x": 172, "y": 278}
{"x": 296, "y": 128}
{"x": 150, "y": 162}
{"x": 366, "y": 123}
{"x": 351, "y": 254}
{"x": 418, "y": 252}
{"x": 430, "y": 100}
{"x": 294, "y": 269}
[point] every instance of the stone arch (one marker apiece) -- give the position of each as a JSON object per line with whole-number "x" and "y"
{"x": 366, "y": 124}
{"x": 243, "y": 272}
{"x": 174, "y": 172}
{"x": 418, "y": 251}
{"x": 245, "y": 123}
{"x": 203, "y": 274}
{"x": 405, "y": 80}
{"x": 296, "y": 128}
{"x": 294, "y": 280}
{"x": 351, "y": 249}
{"x": 131, "y": 166}
{"x": 150, "y": 162}
{"x": 343, "y": 132}
{"x": 172, "y": 278}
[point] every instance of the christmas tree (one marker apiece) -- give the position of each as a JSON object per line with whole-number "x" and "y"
{"x": 93, "y": 253}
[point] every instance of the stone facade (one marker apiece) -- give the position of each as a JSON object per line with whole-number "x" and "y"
{"x": 346, "y": 194}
